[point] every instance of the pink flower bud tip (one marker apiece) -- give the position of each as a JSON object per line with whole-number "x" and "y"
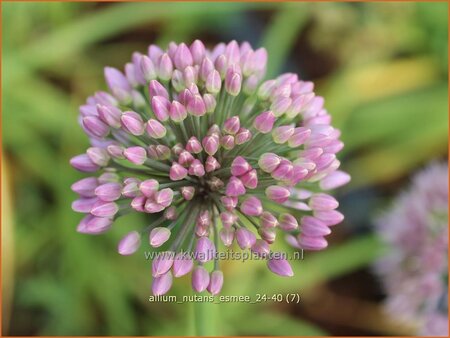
{"x": 129, "y": 244}
{"x": 83, "y": 163}
{"x": 155, "y": 129}
{"x": 312, "y": 243}
{"x": 188, "y": 192}
{"x": 277, "y": 193}
{"x": 264, "y": 122}
{"x": 200, "y": 279}
{"x": 280, "y": 267}
{"x": 196, "y": 168}
{"x": 162, "y": 284}
{"x": 268, "y": 162}
{"x": 177, "y": 172}
{"x": 136, "y": 155}
{"x": 210, "y": 144}
{"x": 232, "y": 125}
{"x": 182, "y": 264}
{"x": 321, "y": 201}
{"x": 252, "y": 206}
{"x": 162, "y": 263}
{"x": 109, "y": 192}
{"x": 158, "y": 236}
{"x": 229, "y": 202}
{"x": 149, "y": 187}
{"x": 311, "y": 226}
{"x": 235, "y": 187}
{"x": 240, "y": 166}
{"x": 287, "y": 222}
{"x": 211, "y": 164}
{"x": 193, "y": 145}
{"x": 164, "y": 197}
{"x": 204, "y": 250}
{"x": 268, "y": 220}
{"x": 245, "y": 238}
{"x": 216, "y": 282}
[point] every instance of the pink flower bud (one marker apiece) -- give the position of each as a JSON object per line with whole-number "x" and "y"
{"x": 177, "y": 172}
{"x": 229, "y": 202}
{"x": 277, "y": 193}
{"x": 312, "y": 243}
{"x": 210, "y": 144}
{"x": 132, "y": 123}
{"x": 280, "y": 267}
{"x": 162, "y": 284}
{"x": 155, "y": 129}
{"x": 227, "y": 142}
{"x": 287, "y": 222}
{"x": 115, "y": 151}
{"x": 190, "y": 79}
{"x": 228, "y": 218}
{"x": 183, "y": 57}
{"x": 110, "y": 115}
{"x": 245, "y": 238}
{"x": 164, "y": 67}
{"x": 299, "y": 137}
{"x": 136, "y": 155}
{"x": 95, "y": 126}
{"x": 84, "y": 205}
{"x": 149, "y": 187}
{"x": 211, "y": 164}
{"x": 267, "y": 234}
{"x": 109, "y": 192}
{"x": 264, "y": 122}
{"x": 185, "y": 158}
{"x": 177, "y": 112}
{"x": 221, "y": 65}
{"x": 329, "y": 217}
{"x": 252, "y": 206}
{"x": 282, "y": 134}
{"x": 232, "y": 125}
{"x": 83, "y": 163}
{"x": 200, "y": 279}
{"x": 204, "y": 250}
{"x": 261, "y": 248}
{"x": 196, "y": 168}
{"x": 162, "y": 263}
{"x": 321, "y": 201}
{"x": 198, "y": 52}
{"x": 160, "y": 107}
{"x": 157, "y": 89}
{"x": 164, "y": 197}
{"x": 115, "y": 79}
{"x": 268, "y": 220}
{"x": 213, "y": 82}
{"x": 280, "y": 105}
{"x": 196, "y": 106}
{"x": 85, "y": 187}
{"x": 204, "y": 219}
{"x": 129, "y": 244}
{"x": 159, "y": 236}
{"x": 227, "y": 236}
{"x": 206, "y": 68}
{"x": 152, "y": 207}
{"x": 94, "y": 225}
{"x": 313, "y": 227}
{"x": 138, "y": 203}
{"x": 240, "y": 166}
{"x": 104, "y": 209}
{"x": 182, "y": 264}
{"x": 98, "y": 156}
{"x": 148, "y": 68}
{"x": 170, "y": 213}
{"x": 216, "y": 282}
{"x": 283, "y": 171}
{"x": 188, "y": 192}
{"x": 193, "y": 145}
{"x": 235, "y": 187}
{"x": 250, "y": 179}
{"x": 233, "y": 83}
{"x": 334, "y": 180}
{"x": 210, "y": 102}
{"x": 243, "y": 135}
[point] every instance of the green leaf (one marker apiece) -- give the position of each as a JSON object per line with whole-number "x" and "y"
{"x": 282, "y": 33}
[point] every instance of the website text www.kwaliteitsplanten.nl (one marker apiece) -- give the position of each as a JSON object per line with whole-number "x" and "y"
{"x": 226, "y": 255}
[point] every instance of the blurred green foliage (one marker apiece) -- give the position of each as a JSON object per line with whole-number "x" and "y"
{"x": 382, "y": 68}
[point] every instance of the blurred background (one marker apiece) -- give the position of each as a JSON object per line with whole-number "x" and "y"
{"x": 383, "y": 70}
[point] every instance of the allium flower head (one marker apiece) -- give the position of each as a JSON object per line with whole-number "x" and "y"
{"x": 415, "y": 270}
{"x": 195, "y": 139}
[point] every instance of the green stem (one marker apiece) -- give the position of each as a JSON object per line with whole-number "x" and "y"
{"x": 200, "y": 320}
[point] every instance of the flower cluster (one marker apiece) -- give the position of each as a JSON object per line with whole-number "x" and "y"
{"x": 415, "y": 270}
{"x": 193, "y": 138}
